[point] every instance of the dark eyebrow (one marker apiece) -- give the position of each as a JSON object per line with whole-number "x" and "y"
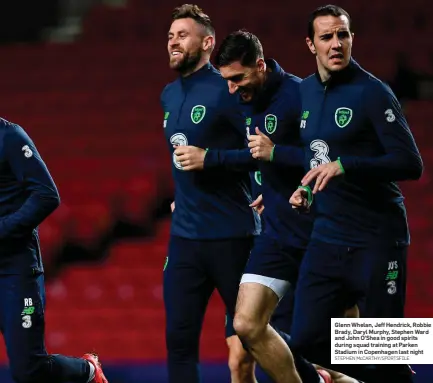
{"x": 180, "y": 32}
{"x": 341, "y": 32}
{"x": 235, "y": 77}
{"x": 326, "y": 35}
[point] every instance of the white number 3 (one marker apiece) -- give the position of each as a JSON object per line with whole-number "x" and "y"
{"x": 390, "y": 116}
{"x": 27, "y": 151}
{"x": 27, "y": 321}
{"x": 321, "y": 151}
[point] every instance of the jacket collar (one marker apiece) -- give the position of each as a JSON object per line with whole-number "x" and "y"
{"x": 342, "y": 76}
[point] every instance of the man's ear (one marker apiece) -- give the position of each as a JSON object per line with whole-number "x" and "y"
{"x": 311, "y": 46}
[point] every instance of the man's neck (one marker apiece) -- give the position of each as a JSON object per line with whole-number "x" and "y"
{"x": 201, "y": 64}
{"x": 324, "y": 74}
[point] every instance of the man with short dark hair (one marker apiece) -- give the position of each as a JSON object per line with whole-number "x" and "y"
{"x": 358, "y": 145}
{"x": 270, "y": 100}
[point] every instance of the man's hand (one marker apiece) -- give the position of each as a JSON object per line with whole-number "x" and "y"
{"x": 299, "y": 200}
{"x": 322, "y": 174}
{"x": 172, "y": 206}
{"x": 257, "y": 204}
{"x": 190, "y": 157}
{"x": 260, "y": 146}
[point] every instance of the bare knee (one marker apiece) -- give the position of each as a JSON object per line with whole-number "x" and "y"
{"x": 248, "y": 327}
{"x": 255, "y": 305}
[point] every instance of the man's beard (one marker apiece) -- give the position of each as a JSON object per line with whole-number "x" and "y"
{"x": 255, "y": 91}
{"x": 189, "y": 62}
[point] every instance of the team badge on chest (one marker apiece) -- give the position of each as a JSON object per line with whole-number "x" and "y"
{"x": 271, "y": 123}
{"x": 197, "y": 113}
{"x": 343, "y": 116}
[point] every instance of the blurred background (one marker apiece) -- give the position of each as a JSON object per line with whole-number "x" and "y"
{"x": 84, "y": 77}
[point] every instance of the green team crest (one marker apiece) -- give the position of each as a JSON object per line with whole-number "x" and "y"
{"x": 198, "y": 113}
{"x": 343, "y": 116}
{"x": 258, "y": 178}
{"x": 271, "y": 123}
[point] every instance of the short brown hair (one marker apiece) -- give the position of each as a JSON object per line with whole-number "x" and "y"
{"x": 192, "y": 11}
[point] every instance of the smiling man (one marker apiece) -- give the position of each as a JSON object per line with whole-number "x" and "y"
{"x": 358, "y": 145}
{"x": 213, "y": 225}
{"x": 270, "y": 98}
